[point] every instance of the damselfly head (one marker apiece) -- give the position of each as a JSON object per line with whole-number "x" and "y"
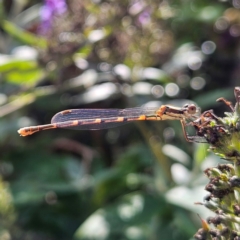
{"x": 192, "y": 109}
{"x": 237, "y": 94}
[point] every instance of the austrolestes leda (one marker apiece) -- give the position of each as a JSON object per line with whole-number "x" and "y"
{"x": 95, "y": 119}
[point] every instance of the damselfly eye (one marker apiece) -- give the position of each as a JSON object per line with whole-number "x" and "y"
{"x": 237, "y": 93}
{"x": 192, "y": 109}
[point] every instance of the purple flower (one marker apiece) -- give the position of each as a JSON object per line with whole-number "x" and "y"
{"x": 50, "y": 9}
{"x": 144, "y": 17}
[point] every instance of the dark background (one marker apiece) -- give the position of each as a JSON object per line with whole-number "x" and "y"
{"x": 137, "y": 181}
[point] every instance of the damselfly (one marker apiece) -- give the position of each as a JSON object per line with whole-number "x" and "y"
{"x": 94, "y": 119}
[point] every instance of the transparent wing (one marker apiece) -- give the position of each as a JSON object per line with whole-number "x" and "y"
{"x": 93, "y": 119}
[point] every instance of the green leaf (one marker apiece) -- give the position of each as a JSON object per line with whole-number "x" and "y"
{"x": 20, "y": 77}
{"x": 128, "y": 215}
{"x": 24, "y": 36}
{"x": 155, "y": 74}
{"x": 84, "y": 51}
{"x": 208, "y": 99}
{"x": 210, "y": 13}
{"x": 18, "y": 71}
{"x": 200, "y": 153}
{"x": 17, "y": 64}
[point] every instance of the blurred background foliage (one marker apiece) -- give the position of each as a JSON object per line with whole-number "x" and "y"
{"x": 139, "y": 181}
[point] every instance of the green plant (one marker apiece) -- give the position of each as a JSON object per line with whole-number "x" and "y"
{"x": 223, "y": 199}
